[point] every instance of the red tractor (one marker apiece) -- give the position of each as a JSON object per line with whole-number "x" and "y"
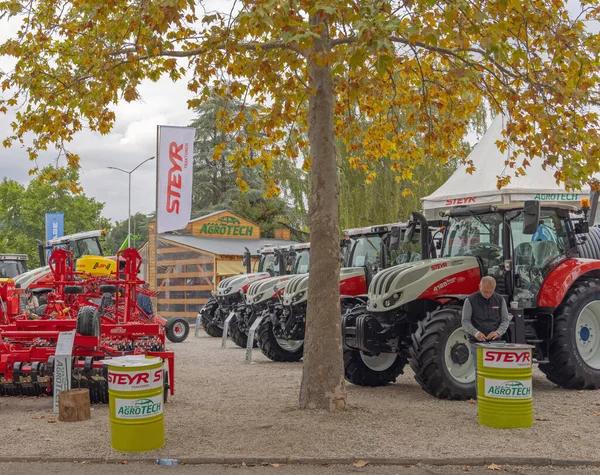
{"x": 545, "y": 260}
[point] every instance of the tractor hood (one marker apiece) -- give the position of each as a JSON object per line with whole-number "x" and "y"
{"x": 232, "y": 285}
{"x": 266, "y": 289}
{"x": 296, "y": 290}
{"x": 429, "y": 279}
{"x": 27, "y": 278}
{"x": 353, "y": 281}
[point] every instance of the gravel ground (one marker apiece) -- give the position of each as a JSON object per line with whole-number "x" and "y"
{"x": 151, "y": 469}
{"x": 224, "y": 407}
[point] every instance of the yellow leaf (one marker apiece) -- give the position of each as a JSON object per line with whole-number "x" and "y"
{"x": 361, "y": 463}
{"x": 276, "y": 465}
{"x": 493, "y": 466}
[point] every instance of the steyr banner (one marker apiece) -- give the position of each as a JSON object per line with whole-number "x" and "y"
{"x": 175, "y": 172}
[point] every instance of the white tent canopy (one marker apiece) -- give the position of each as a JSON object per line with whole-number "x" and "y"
{"x": 481, "y": 187}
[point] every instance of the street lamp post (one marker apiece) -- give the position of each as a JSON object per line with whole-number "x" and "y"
{"x": 129, "y": 213}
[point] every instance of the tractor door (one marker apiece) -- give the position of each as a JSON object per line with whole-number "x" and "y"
{"x": 534, "y": 255}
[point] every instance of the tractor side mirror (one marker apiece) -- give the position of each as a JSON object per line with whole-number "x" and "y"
{"x": 593, "y": 207}
{"x": 531, "y": 217}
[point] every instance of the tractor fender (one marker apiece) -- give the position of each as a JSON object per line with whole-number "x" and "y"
{"x": 562, "y": 277}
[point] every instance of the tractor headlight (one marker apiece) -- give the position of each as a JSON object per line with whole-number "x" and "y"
{"x": 392, "y": 300}
{"x": 258, "y": 297}
{"x": 298, "y": 296}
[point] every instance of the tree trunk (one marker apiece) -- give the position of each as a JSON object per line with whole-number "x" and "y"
{"x": 323, "y": 384}
{"x": 74, "y": 405}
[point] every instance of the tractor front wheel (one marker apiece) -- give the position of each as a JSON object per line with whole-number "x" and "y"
{"x": 363, "y": 369}
{"x": 177, "y": 329}
{"x": 278, "y": 349}
{"x": 440, "y": 356}
{"x": 574, "y": 351}
{"x": 237, "y": 335}
{"x": 211, "y": 317}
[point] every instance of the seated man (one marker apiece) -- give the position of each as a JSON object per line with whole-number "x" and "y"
{"x": 485, "y": 315}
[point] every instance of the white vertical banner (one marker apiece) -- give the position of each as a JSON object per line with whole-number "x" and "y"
{"x": 175, "y": 172}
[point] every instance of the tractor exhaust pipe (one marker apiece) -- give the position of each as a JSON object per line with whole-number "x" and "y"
{"x": 424, "y": 225}
{"x": 41, "y": 252}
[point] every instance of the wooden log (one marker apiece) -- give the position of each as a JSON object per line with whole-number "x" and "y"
{"x": 74, "y": 405}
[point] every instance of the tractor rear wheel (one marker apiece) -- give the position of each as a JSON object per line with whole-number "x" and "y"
{"x": 574, "y": 350}
{"x": 372, "y": 370}
{"x": 440, "y": 356}
{"x": 88, "y": 321}
{"x": 177, "y": 329}
{"x": 278, "y": 349}
{"x": 211, "y": 317}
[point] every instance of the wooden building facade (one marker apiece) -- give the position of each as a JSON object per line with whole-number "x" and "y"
{"x": 187, "y": 265}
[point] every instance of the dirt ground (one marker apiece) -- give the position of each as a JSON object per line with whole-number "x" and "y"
{"x": 224, "y": 407}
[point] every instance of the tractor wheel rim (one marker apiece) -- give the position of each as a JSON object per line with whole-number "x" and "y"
{"x": 290, "y": 345}
{"x": 179, "y": 329}
{"x": 380, "y": 362}
{"x": 587, "y": 334}
{"x": 462, "y": 372}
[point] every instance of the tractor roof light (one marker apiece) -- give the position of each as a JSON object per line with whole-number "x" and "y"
{"x": 585, "y": 203}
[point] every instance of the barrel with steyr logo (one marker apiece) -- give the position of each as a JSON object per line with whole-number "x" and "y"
{"x": 136, "y": 399}
{"x": 504, "y": 396}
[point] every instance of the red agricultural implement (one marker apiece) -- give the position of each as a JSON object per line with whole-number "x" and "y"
{"x": 104, "y": 313}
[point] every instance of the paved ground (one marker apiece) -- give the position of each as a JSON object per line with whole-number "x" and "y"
{"x": 149, "y": 469}
{"x": 224, "y": 407}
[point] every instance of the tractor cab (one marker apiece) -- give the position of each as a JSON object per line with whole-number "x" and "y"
{"x": 518, "y": 247}
{"x": 80, "y": 244}
{"x": 12, "y": 265}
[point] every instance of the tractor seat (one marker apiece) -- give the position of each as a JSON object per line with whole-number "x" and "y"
{"x": 524, "y": 255}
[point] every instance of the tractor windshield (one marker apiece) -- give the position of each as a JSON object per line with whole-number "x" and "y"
{"x": 401, "y": 252}
{"x": 478, "y": 235}
{"x": 302, "y": 262}
{"x": 268, "y": 262}
{"x": 10, "y": 269}
{"x": 365, "y": 251}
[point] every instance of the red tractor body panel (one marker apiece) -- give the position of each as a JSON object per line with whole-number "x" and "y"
{"x": 560, "y": 279}
{"x": 353, "y": 285}
{"x": 464, "y": 282}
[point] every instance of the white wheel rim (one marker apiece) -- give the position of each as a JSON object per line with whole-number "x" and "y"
{"x": 380, "y": 362}
{"x": 463, "y": 373}
{"x": 587, "y": 336}
{"x": 179, "y": 329}
{"x": 290, "y": 345}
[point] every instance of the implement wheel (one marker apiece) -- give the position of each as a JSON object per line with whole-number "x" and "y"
{"x": 177, "y": 329}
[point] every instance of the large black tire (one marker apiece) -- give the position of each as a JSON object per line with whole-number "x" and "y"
{"x": 357, "y": 372}
{"x": 237, "y": 335}
{"x": 427, "y": 356}
{"x": 566, "y": 366}
{"x": 88, "y": 321}
{"x": 177, "y": 329}
{"x": 207, "y": 316}
{"x": 270, "y": 347}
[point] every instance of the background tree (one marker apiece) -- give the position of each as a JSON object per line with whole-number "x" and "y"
{"x": 118, "y": 233}
{"x": 217, "y": 178}
{"x": 319, "y": 69}
{"x": 23, "y": 212}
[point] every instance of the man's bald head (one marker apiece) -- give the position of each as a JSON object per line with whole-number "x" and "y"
{"x": 487, "y": 286}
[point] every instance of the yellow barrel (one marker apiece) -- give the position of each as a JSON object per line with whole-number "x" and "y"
{"x": 136, "y": 399}
{"x": 504, "y": 396}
